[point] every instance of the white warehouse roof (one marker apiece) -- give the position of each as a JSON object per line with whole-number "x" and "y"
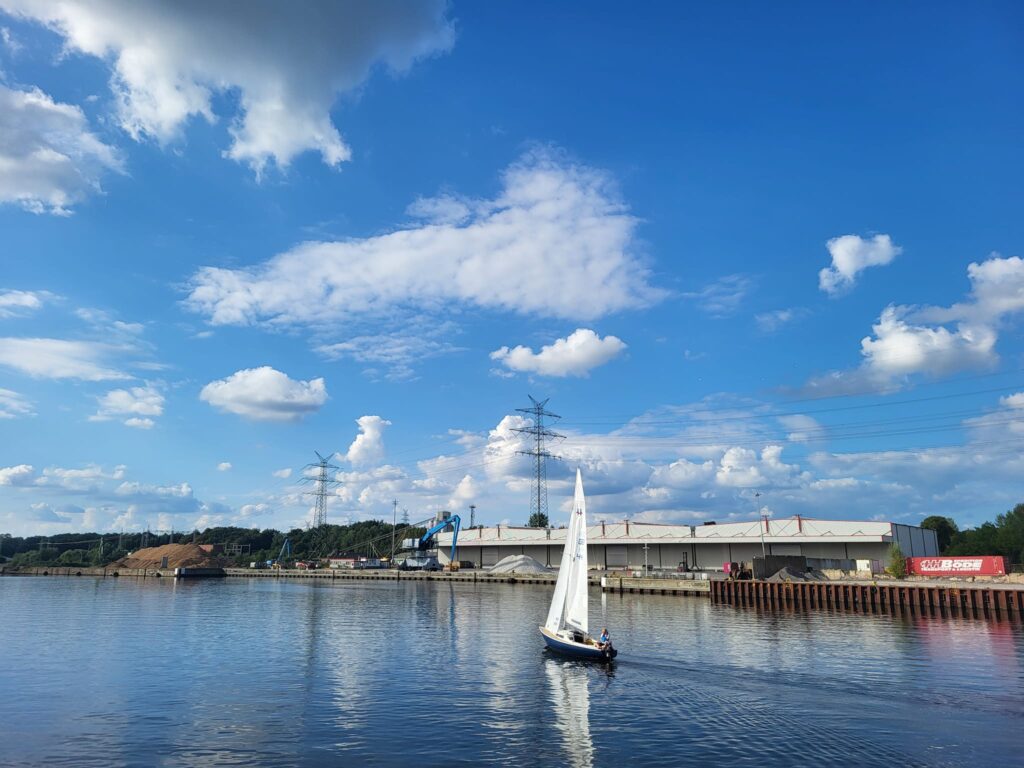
{"x": 781, "y": 531}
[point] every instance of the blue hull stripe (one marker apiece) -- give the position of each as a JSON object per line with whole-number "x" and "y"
{"x": 573, "y": 649}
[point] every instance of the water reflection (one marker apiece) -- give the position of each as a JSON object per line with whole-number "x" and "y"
{"x": 569, "y": 693}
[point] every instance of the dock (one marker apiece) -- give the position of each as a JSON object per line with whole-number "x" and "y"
{"x": 965, "y": 599}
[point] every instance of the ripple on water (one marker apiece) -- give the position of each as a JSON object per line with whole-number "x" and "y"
{"x": 261, "y": 672}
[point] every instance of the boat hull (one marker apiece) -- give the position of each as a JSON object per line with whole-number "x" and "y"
{"x": 576, "y": 650}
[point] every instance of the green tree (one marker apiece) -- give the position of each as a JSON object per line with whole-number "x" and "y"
{"x": 945, "y": 528}
{"x": 897, "y": 561}
{"x": 74, "y": 557}
{"x": 538, "y": 520}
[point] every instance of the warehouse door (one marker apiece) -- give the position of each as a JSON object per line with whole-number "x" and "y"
{"x": 615, "y": 556}
{"x": 489, "y": 555}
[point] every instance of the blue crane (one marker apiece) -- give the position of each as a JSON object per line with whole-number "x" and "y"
{"x": 455, "y": 522}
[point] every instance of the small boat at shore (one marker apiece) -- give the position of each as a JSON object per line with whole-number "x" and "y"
{"x": 566, "y": 629}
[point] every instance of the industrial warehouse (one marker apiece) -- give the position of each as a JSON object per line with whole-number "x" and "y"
{"x": 695, "y": 547}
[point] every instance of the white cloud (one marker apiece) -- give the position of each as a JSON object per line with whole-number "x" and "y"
{"x": 916, "y": 340}
{"x": 368, "y": 447}
{"x": 287, "y": 67}
{"x": 135, "y": 403}
{"x": 900, "y": 348}
{"x": 851, "y": 255}
{"x": 13, "y": 405}
{"x": 284, "y": 474}
{"x": 804, "y": 428}
{"x": 397, "y": 353}
{"x": 14, "y": 303}
{"x": 10, "y": 42}
{"x": 59, "y": 358}
{"x": 22, "y": 474}
{"x": 770, "y": 322}
{"x": 576, "y": 355}
{"x": 552, "y": 217}
{"x": 49, "y": 160}
{"x": 724, "y": 296}
{"x": 224, "y": 466}
{"x": 265, "y": 394}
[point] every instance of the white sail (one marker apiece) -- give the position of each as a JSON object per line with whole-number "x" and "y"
{"x": 569, "y": 606}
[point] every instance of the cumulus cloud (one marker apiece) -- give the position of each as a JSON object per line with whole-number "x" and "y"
{"x": 135, "y": 405}
{"x": 14, "y": 405}
{"x": 22, "y": 474}
{"x": 852, "y": 254}
{"x": 368, "y": 447}
{"x": 171, "y": 59}
{"x": 936, "y": 341}
{"x": 576, "y": 355}
{"x": 265, "y": 394}
{"x": 224, "y": 466}
{"x": 60, "y": 358}
{"x": 552, "y": 217}
{"x": 724, "y": 296}
{"x": 283, "y": 474}
{"x": 49, "y": 160}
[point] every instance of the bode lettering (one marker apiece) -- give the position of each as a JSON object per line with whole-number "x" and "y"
{"x": 950, "y": 565}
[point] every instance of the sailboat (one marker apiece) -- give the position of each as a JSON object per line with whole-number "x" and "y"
{"x": 566, "y": 628}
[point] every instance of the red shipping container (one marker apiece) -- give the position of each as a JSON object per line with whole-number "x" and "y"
{"x": 974, "y": 565}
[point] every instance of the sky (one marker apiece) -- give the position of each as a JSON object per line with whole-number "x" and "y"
{"x": 758, "y": 259}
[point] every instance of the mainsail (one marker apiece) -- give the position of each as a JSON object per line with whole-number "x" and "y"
{"x": 569, "y": 605}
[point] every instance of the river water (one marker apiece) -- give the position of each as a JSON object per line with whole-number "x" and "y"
{"x": 261, "y": 672}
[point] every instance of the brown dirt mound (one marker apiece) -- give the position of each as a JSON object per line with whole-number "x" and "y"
{"x": 178, "y": 556}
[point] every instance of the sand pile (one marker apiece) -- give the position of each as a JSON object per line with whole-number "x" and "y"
{"x": 790, "y": 573}
{"x": 517, "y": 564}
{"x": 178, "y": 556}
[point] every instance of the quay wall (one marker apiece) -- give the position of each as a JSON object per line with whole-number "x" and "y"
{"x": 966, "y": 599}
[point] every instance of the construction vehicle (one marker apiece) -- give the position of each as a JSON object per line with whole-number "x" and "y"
{"x": 286, "y": 551}
{"x": 421, "y": 560}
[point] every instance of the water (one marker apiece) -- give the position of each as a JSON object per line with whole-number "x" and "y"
{"x": 122, "y": 672}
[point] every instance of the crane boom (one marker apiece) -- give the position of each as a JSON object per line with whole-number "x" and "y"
{"x": 455, "y": 522}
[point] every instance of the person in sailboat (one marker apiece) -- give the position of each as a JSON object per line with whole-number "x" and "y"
{"x": 605, "y": 641}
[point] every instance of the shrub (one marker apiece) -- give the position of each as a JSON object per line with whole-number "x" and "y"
{"x": 897, "y": 562}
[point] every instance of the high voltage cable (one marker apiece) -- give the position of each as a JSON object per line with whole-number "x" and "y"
{"x": 641, "y": 421}
{"x": 820, "y": 398}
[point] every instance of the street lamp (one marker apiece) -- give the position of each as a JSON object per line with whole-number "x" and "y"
{"x": 760, "y": 522}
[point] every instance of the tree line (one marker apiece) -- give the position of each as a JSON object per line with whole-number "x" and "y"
{"x": 1004, "y": 536}
{"x": 371, "y": 538}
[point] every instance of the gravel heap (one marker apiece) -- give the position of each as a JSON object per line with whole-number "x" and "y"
{"x": 518, "y": 564}
{"x": 178, "y": 556}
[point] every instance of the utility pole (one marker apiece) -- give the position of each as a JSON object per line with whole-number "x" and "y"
{"x": 472, "y": 515}
{"x": 322, "y": 488}
{"x": 761, "y": 522}
{"x": 646, "y": 547}
{"x": 539, "y": 500}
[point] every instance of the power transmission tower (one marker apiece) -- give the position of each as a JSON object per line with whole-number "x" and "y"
{"x": 322, "y": 488}
{"x": 539, "y": 499}
{"x": 472, "y": 515}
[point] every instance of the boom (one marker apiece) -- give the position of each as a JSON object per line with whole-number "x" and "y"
{"x": 455, "y": 522}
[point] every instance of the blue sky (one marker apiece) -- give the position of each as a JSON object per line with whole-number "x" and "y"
{"x": 742, "y": 249}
